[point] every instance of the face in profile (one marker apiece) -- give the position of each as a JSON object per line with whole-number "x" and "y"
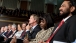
{"x": 2, "y": 29}
{"x": 43, "y": 23}
{"x": 19, "y": 28}
{"x": 23, "y": 26}
{"x": 5, "y": 28}
{"x": 31, "y": 20}
{"x": 65, "y": 8}
{"x": 13, "y": 28}
{"x": 9, "y": 27}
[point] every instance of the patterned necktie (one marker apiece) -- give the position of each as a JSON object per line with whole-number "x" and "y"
{"x": 31, "y": 30}
{"x": 55, "y": 31}
{"x": 7, "y": 34}
{"x": 23, "y": 33}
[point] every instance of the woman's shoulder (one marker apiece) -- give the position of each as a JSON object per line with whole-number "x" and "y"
{"x": 51, "y": 28}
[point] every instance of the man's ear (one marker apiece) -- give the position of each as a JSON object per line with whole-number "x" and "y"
{"x": 72, "y": 9}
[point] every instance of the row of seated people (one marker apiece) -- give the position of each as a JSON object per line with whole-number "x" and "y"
{"x": 10, "y": 31}
{"x": 18, "y": 12}
{"x": 35, "y": 31}
{"x": 42, "y": 30}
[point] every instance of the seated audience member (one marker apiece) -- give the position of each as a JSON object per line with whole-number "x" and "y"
{"x": 47, "y": 27}
{"x": 5, "y": 32}
{"x": 9, "y": 30}
{"x": 13, "y": 30}
{"x": 2, "y": 30}
{"x": 3, "y": 35}
{"x": 24, "y": 30}
{"x": 19, "y": 32}
{"x": 33, "y": 27}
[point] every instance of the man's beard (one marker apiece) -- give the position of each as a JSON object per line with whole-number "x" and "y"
{"x": 64, "y": 15}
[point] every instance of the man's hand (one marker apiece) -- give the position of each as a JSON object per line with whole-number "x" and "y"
{"x": 14, "y": 40}
{"x": 25, "y": 40}
{"x": 28, "y": 27}
{"x": 41, "y": 41}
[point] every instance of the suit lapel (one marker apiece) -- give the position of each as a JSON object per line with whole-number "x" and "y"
{"x": 34, "y": 29}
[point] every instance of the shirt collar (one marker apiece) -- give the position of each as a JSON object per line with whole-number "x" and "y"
{"x": 66, "y": 18}
{"x": 14, "y": 31}
{"x": 34, "y": 26}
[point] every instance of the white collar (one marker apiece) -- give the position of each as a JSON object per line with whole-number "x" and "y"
{"x": 6, "y": 31}
{"x": 66, "y": 18}
{"x": 14, "y": 31}
{"x": 34, "y": 26}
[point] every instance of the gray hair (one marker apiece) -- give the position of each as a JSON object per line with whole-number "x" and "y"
{"x": 14, "y": 25}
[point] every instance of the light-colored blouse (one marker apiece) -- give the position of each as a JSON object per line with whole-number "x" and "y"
{"x": 18, "y": 34}
{"x": 42, "y": 35}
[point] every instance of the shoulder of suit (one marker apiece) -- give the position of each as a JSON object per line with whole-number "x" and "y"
{"x": 73, "y": 18}
{"x": 38, "y": 26}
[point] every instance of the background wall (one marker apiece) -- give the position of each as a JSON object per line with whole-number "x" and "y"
{"x": 1, "y": 2}
{"x": 13, "y": 4}
{"x": 59, "y": 2}
{"x": 37, "y": 5}
{"x": 10, "y": 3}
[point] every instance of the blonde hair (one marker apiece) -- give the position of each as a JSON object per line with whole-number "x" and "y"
{"x": 36, "y": 17}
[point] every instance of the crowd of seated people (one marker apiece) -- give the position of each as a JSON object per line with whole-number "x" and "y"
{"x": 18, "y": 12}
{"x": 10, "y": 31}
{"x": 31, "y": 31}
{"x": 37, "y": 30}
{"x": 41, "y": 28}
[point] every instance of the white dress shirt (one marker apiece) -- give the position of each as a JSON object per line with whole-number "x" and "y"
{"x": 18, "y": 34}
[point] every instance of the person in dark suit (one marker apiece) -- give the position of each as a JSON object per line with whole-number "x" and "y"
{"x": 9, "y": 30}
{"x": 5, "y": 32}
{"x": 24, "y": 30}
{"x": 1, "y": 37}
{"x": 2, "y": 30}
{"x": 66, "y": 32}
{"x": 33, "y": 27}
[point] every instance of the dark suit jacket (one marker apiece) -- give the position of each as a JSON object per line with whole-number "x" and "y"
{"x": 9, "y": 34}
{"x": 34, "y": 32}
{"x": 9, "y": 39}
{"x": 66, "y": 33}
{"x": 1, "y": 39}
{"x": 1, "y": 33}
{"x": 5, "y": 33}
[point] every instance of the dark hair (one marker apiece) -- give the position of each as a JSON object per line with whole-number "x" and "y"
{"x": 72, "y": 2}
{"x": 48, "y": 19}
{"x": 26, "y": 22}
